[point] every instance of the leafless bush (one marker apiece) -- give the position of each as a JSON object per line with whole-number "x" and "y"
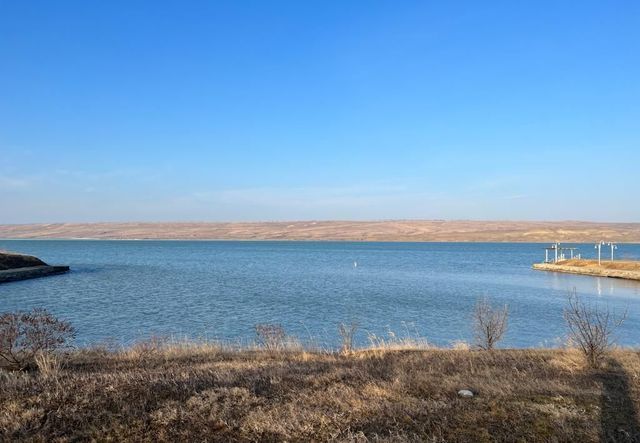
{"x": 490, "y": 324}
{"x": 591, "y": 328}
{"x": 271, "y": 336}
{"x": 23, "y": 335}
{"x": 347, "y": 333}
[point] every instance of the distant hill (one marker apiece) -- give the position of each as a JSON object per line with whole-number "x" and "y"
{"x": 398, "y": 230}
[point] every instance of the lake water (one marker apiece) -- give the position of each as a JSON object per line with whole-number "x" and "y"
{"x": 124, "y": 291}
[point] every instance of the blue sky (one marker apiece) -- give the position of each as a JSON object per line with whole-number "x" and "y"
{"x": 223, "y": 111}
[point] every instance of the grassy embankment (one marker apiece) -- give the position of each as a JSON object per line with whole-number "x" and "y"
{"x": 207, "y": 393}
{"x": 625, "y": 269}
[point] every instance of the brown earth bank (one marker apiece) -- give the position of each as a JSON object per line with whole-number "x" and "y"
{"x": 619, "y": 265}
{"x": 400, "y": 230}
{"x": 626, "y": 269}
{"x": 204, "y": 393}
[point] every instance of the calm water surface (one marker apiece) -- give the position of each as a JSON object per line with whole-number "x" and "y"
{"x": 127, "y": 290}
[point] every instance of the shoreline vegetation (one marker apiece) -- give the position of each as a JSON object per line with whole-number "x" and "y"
{"x": 395, "y": 389}
{"x": 625, "y": 269}
{"x": 387, "y": 230}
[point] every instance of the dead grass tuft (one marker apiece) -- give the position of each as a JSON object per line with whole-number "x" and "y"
{"x": 48, "y": 364}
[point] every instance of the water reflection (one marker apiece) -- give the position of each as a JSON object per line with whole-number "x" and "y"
{"x": 586, "y": 284}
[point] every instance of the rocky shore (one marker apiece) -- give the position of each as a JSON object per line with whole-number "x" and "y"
{"x": 14, "y": 267}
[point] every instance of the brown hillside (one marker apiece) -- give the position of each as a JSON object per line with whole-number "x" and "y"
{"x": 401, "y": 230}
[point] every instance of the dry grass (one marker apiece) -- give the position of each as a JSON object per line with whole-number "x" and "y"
{"x": 206, "y": 393}
{"x": 621, "y": 265}
{"x": 49, "y": 365}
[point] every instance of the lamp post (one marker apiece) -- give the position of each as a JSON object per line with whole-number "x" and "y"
{"x": 613, "y": 246}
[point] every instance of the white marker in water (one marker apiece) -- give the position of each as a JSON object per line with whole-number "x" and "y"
{"x": 599, "y": 248}
{"x": 355, "y": 264}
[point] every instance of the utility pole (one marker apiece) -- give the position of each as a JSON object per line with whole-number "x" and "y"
{"x": 613, "y": 246}
{"x": 599, "y": 247}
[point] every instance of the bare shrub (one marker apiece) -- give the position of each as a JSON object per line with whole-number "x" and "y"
{"x": 23, "y": 335}
{"x": 490, "y": 324}
{"x": 271, "y": 336}
{"x": 347, "y": 334}
{"x": 591, "y": 328}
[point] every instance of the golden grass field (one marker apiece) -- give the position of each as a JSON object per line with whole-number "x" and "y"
{"x": 619, "y": 265}
{"x": 206, "y": 393}
{"x": 399, "y": 230}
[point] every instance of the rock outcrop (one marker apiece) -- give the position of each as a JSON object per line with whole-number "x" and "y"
{"x": 15, "y": 267}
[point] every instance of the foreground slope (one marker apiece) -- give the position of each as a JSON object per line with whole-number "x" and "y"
{"x": 400, "y": 230}
{"x": 199, "y": 394}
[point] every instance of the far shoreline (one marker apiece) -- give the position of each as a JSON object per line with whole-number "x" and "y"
{"x": 391, "y": 231}
{"x": 294, "y": 240}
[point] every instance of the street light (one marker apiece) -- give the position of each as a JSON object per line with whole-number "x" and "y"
{"x": 613, "y": 246}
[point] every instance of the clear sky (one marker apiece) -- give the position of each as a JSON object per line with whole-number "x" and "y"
{"x": 272, "y": 110}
